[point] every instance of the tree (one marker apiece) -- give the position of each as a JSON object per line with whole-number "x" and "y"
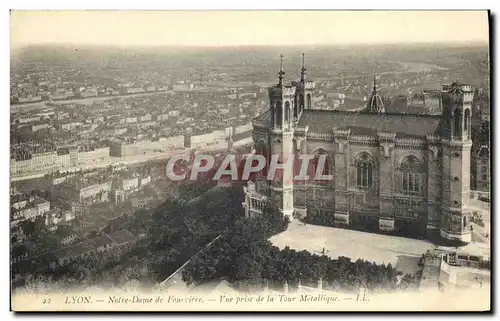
{"x": 244, "y": 255}
{"x": 408, "y": 282}
{"x": 28, "y": 227}
{"x": 180, "y": 229}
{"x": 50, "y": 241}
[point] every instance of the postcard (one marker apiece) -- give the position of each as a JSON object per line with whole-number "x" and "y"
{"x": 250, "y": 161}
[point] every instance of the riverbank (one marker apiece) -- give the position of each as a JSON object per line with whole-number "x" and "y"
{"x": 14, "y": 108}
{"x": 116, "y": 161}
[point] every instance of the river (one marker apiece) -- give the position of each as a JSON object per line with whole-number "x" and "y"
{"x": 83, "y": 101}
{"x": 409, "y": 67}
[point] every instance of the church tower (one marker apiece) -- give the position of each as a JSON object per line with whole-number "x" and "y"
{"x": 282, "y": 103}
{"x": 304, "y": 91}
{"x": 375, "y": 103}
{"x": 456, "y": 157}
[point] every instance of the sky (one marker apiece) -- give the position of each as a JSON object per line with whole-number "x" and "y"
{"x": 234, "y": 28}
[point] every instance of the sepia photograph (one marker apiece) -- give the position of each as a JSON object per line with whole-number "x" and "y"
{"x": 250, "y": 160}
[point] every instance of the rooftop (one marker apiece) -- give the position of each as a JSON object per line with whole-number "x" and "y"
{"x": 404, "y": 125}
{"x": 102, "y": 240}
{"x": 369, "y": 124}
{"x": 122, "y": 236}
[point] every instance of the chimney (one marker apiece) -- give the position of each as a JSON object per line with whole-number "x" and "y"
{"x": 266, "y": 286}
{"x": 320, "y": 284}
{"x": 299, "y": 287}
{"x": 285, "y": 287}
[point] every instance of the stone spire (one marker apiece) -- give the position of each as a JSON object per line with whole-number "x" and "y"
{"x": 281, "y": 73}
{"x": 303, "y": 70}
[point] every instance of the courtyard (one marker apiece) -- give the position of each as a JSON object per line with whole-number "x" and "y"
{"x": 402, "y": 253}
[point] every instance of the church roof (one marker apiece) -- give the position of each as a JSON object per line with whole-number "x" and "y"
{"x": 375, "y": 103}
{"x": 265, "y": 117}
{"x": 368, "y": 124}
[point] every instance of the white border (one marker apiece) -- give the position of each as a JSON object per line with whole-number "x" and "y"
{"x": 188, "y": 5}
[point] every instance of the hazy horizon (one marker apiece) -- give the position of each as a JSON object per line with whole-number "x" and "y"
{"x": 247, "y": 28}
{"x": 405, "y": 44}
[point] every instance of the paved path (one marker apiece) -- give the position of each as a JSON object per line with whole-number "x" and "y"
{"x": 353, "y": 244}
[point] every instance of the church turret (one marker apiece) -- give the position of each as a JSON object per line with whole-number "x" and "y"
{"x": 375, "y": 103}
{"x": 282, "y": 99}
{"x": 305, "y": 91}
{"x": 457, "y": 144}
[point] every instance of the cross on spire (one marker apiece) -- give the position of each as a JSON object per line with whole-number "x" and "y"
{"x": 281, "y": 73}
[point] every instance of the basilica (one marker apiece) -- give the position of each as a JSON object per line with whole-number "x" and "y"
{"x": 389, "y": 170}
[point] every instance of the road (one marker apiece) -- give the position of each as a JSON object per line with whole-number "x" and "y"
{"x": 133, "y": 159}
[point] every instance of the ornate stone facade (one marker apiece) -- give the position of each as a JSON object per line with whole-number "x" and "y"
{"x": 389, "y": 170}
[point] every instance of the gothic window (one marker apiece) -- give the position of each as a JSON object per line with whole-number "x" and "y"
{"x": 287, "y": 111}
{"x": 411, "y": 170}
{"x": 309, "y": 101}
{"x": 364, "y": 172}
{"x": 447, "y": 123}
{"x": 279, "y": 114}
{"x": 467, "y": 122}
{"x": 457, "y": 123}
{"x": 262, "y": 150}
{"x": 296, "y": 107}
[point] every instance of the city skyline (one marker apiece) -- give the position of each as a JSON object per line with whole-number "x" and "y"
{"x": 210, "y": 28}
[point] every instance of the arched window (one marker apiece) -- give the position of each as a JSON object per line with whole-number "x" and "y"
{"x": 279, "y": 114}
{"x": 411, "y": 170}
{"x": 467, "y": 122}
{"x": 262, "y": 150}
{"x": 447, "y": 122}
{"x": 309, "y": 101}
{"x": 364, "y": 172}
{"x": 287, "y": 111}
{"x": 457, "y": 122}
{"x": 300, "y": 106}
